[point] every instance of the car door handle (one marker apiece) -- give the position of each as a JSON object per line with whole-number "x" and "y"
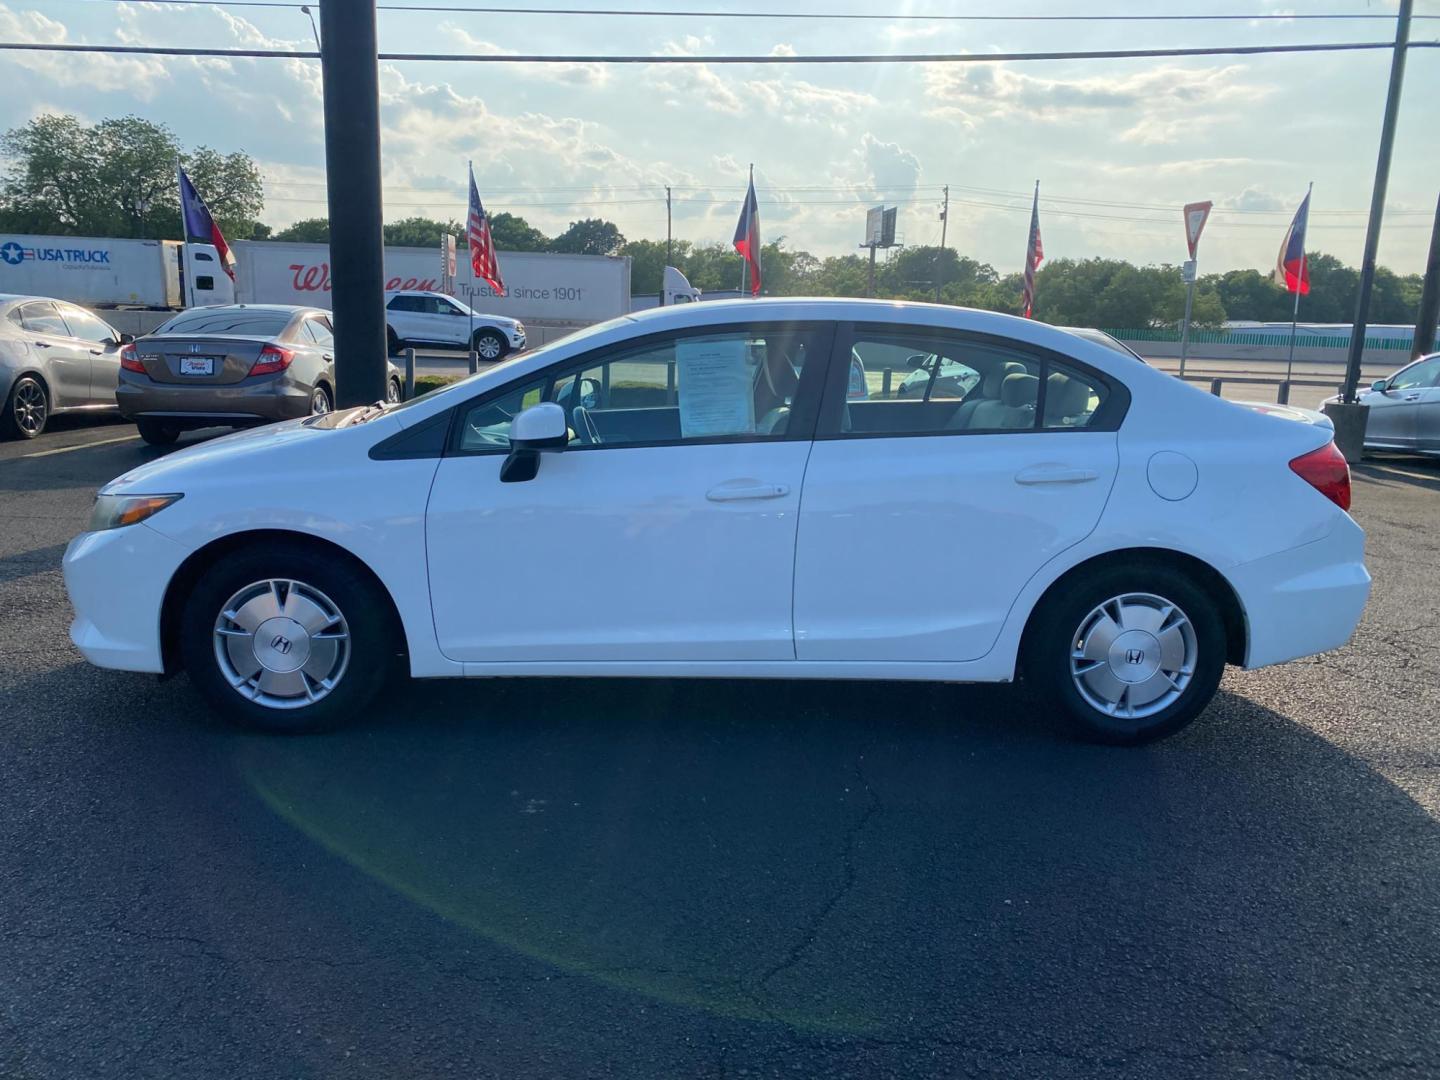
{"x": 327, "y": 357}
{"x": 1411, "y": 397}
{"x": 1055, "y": 474}
{"x": 735, "y": 491}
{"x": 42, "y": 344}
{"x": 97, "y": 352}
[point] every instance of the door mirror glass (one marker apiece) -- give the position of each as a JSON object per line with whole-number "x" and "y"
{"x": 1379, "y": 386}
{"x": 127, "y": 339}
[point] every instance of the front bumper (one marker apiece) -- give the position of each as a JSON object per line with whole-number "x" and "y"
{"x": 1306, "y": 600}
{"x": 116, "y": 580}
{"x": 258, "y": 399}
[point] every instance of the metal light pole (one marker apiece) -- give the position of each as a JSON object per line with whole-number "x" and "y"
{"x": 351, "y": 74}
{"x": 1377, "y": 209}
{"x": 940, "y": 255}
{"x": 1429, "y": 296}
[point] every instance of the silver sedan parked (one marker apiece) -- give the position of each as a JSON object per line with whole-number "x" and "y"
{"x": 54, "y": 358}
{"x": 233, "y": 365}
{"x": 1405, "y": 409}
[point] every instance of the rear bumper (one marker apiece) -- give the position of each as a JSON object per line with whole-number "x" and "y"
{"x": 261, "y": 399}
{"x": 116, "y": 580}
{"x": 1306, "y": 600}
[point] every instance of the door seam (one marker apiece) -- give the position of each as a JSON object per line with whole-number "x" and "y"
{"x": 795, "y": 553}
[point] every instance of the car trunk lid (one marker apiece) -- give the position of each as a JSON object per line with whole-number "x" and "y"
{"x": 199, "y": 360}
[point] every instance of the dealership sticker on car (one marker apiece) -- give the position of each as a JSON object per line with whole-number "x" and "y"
{"x": 197, "y": 365}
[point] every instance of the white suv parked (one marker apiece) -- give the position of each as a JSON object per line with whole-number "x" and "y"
{"x": 416, "y": 317}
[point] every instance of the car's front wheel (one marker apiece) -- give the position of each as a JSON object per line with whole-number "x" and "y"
{"x": 489, "y": 344}
{"x": 287, "y": 639}
{"x": 1128, "y": 654}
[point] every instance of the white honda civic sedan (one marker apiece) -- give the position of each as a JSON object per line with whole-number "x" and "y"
{"x": 692, "y": 492}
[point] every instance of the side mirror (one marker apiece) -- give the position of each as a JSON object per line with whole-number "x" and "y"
{"x": 537, "y": 429}
{"x": 1380, "y": 386}
{"x": 127, "y": 339}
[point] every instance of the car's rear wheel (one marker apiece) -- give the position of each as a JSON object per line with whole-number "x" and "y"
{"x": 26, "y": 410}
{"x": 1128, "y": 653}
{"x": 489, "y": 344}
{"x": 286, "y": 639}
{"x": 320, "y": 402}
{"x": 393, "y": 392}
{"x": 157, "y": 434}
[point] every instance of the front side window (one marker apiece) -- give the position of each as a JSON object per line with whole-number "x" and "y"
{"x": 743, "y": 386}
{"x": 87, "y": 327}
{"x": 1417, "y": 376}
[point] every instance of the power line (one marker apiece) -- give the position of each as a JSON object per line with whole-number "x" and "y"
{"x": 827, "y": 16}
{"x": 765, "y": 59}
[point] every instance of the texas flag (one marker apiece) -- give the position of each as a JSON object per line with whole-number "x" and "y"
{"x": 1292, "y": 269}
{"x": 200, "y": 225}
{"x": 747, "y": 236}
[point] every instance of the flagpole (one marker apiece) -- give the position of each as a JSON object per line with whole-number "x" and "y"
{"x": 746, "y": 204}
{"x": 470, "y": 293}
{"x": 1295, "y": 314}
{"x": 184, "y": 236}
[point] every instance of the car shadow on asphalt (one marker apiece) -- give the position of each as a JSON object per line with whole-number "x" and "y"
{"x": 879, "y": 861}
{"x": 1400, "y": 470}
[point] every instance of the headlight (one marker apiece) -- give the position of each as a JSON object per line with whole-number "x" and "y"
{"x": 114, "y": 511}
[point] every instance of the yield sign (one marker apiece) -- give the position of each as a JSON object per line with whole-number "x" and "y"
{"x": 1196, "y": 214}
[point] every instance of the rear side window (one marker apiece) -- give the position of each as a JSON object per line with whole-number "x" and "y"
{"x": 405, "y": 303}
{"x": 905, "y": 381}
{"x": 244, "y": 321}
{"x": 43, "y": 319}
{"x": 315, "y": 330}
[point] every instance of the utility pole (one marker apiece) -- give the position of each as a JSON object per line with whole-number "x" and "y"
{"x": 669, "y": 242}
{"x": 350, "y": 72}
{"x": 1429, "y": 296}
{"x": 1377, "y": 209}
{"x": 870, "y": 278}
{"x": 940, "y": 255}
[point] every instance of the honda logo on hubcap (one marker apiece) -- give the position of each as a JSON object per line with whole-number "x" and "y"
{"x": 281, "y": 644}
{"x": 1135, "y": 656}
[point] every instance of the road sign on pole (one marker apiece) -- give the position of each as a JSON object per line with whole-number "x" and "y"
{"x": 1196, "y": 214}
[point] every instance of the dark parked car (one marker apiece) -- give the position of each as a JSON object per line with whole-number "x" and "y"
{"x": 234, "y": 365}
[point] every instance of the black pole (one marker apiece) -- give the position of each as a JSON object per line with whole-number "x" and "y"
{"x": 1377, "y": 202}
{"x": 351, "y": 72}
{"x": 1429, "y": 296}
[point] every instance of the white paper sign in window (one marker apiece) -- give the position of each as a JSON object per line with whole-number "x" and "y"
{"x": 716, "y": 392}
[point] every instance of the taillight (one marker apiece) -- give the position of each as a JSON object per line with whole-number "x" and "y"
{"x": 272, "y": 359}
{"x": 1325, "y": 470}
{"x": 130, "y": 359}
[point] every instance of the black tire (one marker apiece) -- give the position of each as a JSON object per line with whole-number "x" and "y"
{"x": 321, "y": 402}
{"x": 490, "y": 345}
{"x": 1055, "y": 635}
{"x": 373, "y": 637}
{"x": 157, "y": 434}
{"x": 395, "y": 392}
{"x": 392, "y": 342}
{"x": 27, "y": 409}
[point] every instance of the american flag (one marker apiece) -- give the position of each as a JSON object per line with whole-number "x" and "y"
{"x": 1034, "y": 255}
{"x": 477, "y": 235}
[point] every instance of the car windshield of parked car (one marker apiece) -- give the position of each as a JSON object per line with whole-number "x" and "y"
{"x": 242, "y": 321}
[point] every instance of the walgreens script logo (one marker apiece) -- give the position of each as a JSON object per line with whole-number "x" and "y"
{"x": 315, "y": 277}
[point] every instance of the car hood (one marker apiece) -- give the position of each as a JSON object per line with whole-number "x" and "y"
{"x": 244, "y": 450}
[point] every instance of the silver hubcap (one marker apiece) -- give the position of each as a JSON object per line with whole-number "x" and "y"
{"x": 1133, "y": 655}
{"x": 488, "y": 347}
{"x": 29, "y": 407}
{"x": 282, "y": 644}
{"x": 319, "y": 402}
{"x": 392, "y": 392}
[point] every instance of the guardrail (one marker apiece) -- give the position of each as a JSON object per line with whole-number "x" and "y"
{"x": 1303, "y": 340}
{"x": 1282, "y": 386}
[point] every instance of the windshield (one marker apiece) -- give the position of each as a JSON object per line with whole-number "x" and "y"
{"x": 245, "y": 321}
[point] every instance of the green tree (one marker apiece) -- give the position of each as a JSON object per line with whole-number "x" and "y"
{"x": 117, "y": 178}
{"x": 509, "y": 232}
{"x": 420, "y": 232}
{"x": 648, "y": 262}
{"x": 592, "y": 236}
{"x": 315, "y": 230}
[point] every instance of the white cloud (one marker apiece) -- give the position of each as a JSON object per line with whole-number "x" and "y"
{"x": 139, "y": 75}
{"x": 580, "y": 74}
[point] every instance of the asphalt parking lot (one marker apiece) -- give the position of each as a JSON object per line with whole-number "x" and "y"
{"x": 715, "y": 879}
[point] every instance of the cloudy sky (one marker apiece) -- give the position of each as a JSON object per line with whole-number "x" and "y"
{"x": 1118, "y": 146}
